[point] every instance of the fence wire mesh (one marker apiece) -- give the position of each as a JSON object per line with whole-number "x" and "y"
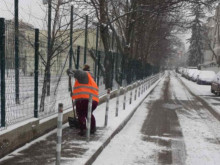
{"x": 20, "y": 93}
{"x": 19, "y": 109}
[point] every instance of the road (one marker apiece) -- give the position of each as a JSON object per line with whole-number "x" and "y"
{"x": 172, "y": 126}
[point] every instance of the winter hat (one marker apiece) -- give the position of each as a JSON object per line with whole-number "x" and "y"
{"x": 86, "y": 67}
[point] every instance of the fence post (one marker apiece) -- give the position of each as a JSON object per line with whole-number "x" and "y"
{"x": 124, "y": 103}
{"x": 99, "y": 60}
{"x": 49, "y": 51}
{"x": 71, "y": 39}
{"x": 59, "y": 132}
{"x": 146, "y": 85}
{"x": 86, "y": 38}
{"x": 36, "y": 73}
{"x": 117, "y": 101}
{"x": 96, "y": 50}
{"x": 2, "y": 62}
{"x": 16, "y": 53}
{"x": 107, "y": 107}
{"x": 135, "y": 92}
{"x": 78, "y": 56}
{"x": 130, "y": 96}
{"x": 89, "y": 114}
{"x": 139, "y": 89}
{"x": 113, "y": 63}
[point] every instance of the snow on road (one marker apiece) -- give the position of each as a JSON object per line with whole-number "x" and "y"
{"x": 200, "y": 131}
{"x": 128, "y": 147}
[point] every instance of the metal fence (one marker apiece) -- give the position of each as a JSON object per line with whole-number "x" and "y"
{"x": 21, "y": 90}
{"x": 23, "y": 74}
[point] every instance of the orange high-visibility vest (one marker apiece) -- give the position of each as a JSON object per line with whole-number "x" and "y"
{"x": 82, "y": 91}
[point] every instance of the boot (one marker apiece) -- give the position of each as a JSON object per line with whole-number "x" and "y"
{"x": 93, "y": 130}
{"x": 82, "y": 133}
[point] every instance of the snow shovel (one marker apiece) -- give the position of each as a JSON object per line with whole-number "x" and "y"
{"x": 73, "y": 121}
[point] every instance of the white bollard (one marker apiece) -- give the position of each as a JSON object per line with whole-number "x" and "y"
{"x": 124, "y": 103}
{"x": 59, "y": 132}
{"x": 107, "y": 107}
{"x": 117, "y": 101}
{"x": 89, "y": 114}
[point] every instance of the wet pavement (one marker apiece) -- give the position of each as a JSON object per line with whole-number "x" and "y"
{"x": 44, "y": 151}
{"x": 162, "y": 127}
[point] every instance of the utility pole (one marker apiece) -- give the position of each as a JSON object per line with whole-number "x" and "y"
{"x": 16, "y": 52}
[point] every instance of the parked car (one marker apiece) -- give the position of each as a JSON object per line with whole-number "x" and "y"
{"x": 215, "y": 86}
{"x": 184, "y": 72}
{"x": 190, "y": 73}
{"x": 195, "y": 75}
{"x": 205, "y": 77}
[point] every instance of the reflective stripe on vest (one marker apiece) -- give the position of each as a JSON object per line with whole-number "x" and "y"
{"x": 82, "y": 91}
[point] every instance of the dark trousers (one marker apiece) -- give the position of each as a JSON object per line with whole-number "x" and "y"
{"x": 82, "y": 110}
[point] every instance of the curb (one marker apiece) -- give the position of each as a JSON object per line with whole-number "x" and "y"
{"x": 118, "y": 129}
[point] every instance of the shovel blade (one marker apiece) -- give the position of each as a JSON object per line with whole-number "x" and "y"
{"x": 73, "y": 122}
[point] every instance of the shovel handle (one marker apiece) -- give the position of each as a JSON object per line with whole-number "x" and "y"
{"x": 71, "y": 93}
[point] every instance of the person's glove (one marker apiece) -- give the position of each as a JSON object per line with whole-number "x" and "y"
{"x": 70, "y": 72}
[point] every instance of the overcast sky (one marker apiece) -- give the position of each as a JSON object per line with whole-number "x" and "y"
{"x": 31, "y": 11}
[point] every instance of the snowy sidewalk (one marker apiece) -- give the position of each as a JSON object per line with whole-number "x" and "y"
{"x": 75, "y": 149}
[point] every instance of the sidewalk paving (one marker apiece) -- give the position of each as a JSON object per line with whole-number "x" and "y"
{"x": 75, "y": 149}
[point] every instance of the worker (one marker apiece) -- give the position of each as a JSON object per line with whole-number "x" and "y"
{"x": 84, "y": 87}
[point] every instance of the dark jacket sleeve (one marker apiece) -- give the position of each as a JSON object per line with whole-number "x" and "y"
{"x": 81, "y": 76}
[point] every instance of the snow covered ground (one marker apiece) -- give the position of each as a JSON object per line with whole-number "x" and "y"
{"x": 171, "y": 126}
{"x": 105, "y": 132}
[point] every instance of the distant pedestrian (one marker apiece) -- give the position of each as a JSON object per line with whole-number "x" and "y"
{"x": 83, "y": 87}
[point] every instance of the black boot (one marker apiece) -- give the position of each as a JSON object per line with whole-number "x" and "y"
{"x": 93, "y": 130}
{"x": 81, "y": 133}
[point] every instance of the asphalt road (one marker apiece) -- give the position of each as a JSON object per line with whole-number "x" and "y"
{"x": 183, "y": 128}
